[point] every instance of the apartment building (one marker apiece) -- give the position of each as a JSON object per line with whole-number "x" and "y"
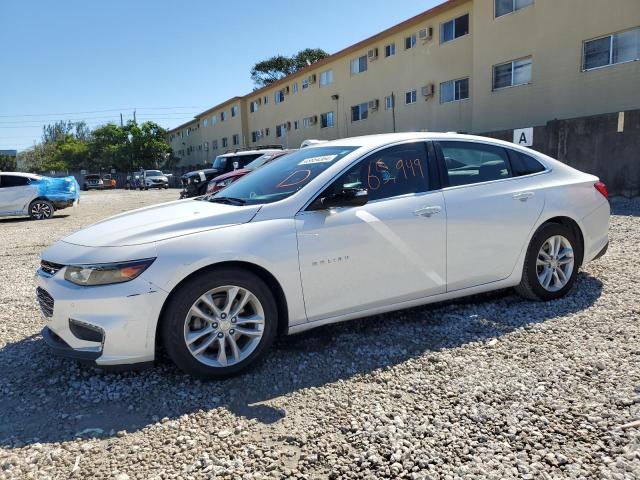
{"x": 475, "y": 66}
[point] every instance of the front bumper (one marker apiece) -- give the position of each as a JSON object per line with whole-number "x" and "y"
{"x": 125, "y": 313}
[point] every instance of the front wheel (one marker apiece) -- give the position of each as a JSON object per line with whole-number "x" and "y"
{"x": 220, "y": 323}
{"x": 551, "y": 265}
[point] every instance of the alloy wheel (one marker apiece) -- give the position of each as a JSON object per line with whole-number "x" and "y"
{"x": 224, "y": 326}
{"x": 41, "y": 211}
{"x": 555, "y": 263}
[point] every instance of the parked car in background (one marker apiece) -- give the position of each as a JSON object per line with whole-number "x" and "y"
{"x": 195, "y": 183}
{"x": 96, "y": 181}
{"x": 153, "y": 179}
{"x": 224, "y": 180}
{"x": 362, "y": 226}
{"x": 133, "y": 181}
{"x": 36, "y": 196}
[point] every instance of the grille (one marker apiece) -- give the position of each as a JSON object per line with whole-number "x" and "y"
{"x": 45, "y": 301}
{"x": 50, "y": 268}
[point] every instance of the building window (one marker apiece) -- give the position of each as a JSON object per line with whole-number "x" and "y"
{"x": 294, "y": 87}
{"x": 616, "y": 48}
{"x": 236, "y": 139}
{"x": 455, "y": 28}
{"x": 359, "y": 65}
{"x": 454, "y": 90}
{"x": 296, "y": 124}
{"x": 267, "y": 132}
{"x": 281, "y": 130}
{"x": 206, "y": 146}
{"x": 389, "y": 102}
{"x": 225, "y": 142}
{"x": 279, "y": 96}
{"x": 214, "y": 119}
{"x": 234, "y": 111}
{"x": 305, "y": 84}
{"x": 206, "y": 122}
{"x": 513, "y": 73}
{"x": 253, "y": 106}
{"x": 360, "y": 112}
{"x": 326, "y": 120}
{"x": 410, "y": 42}
{"x": 326, "y": 78}
{"x": 223, "y": 116}
{"x": 266, "y": 99}
{"x": 255, "y": 136}
{"x": 307, "y": 122}
{"x": 390, "y": 50}
{"x": 507, "y": 6}
{"x": 214, "y": 144}
{"x": 410, "y": 97}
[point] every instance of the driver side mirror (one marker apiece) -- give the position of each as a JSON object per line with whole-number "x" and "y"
{"x": 348, "y": 197}
{"x": 236, "y": 165}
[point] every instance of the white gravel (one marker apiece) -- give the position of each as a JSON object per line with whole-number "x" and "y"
{"x": 489, "y": 387}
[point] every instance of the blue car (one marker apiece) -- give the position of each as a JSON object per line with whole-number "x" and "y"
{"x": 36, "y": 196}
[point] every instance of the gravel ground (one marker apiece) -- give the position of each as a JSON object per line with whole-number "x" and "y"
{"x": 490, "y": 387}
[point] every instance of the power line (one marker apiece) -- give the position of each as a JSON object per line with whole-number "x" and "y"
{"x": 196, "y": 107}
{"x": 114, "y": 118}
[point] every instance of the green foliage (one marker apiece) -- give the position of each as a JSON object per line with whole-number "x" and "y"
{"x": 279, "y": 66}
{"x": 73, "y": 146}
{"x": 7, "y": 163}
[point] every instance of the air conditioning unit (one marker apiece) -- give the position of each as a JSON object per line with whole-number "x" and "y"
{"x": 285, "y": 90}
{"x": 426, "y": 34}
{"x": 313, "y": 119}
{"x": 374, "y": 104}
{"x": 259, "y": 101}
{"x": 427, "y": 90}
{"x": 287, "y": 126}
{"x": 312, "y": 78}
{"x": 373, "y": 53}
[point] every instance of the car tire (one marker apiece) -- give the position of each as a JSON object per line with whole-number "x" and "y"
{"x": 41, "y": 210}
{"x": 179, "y": 322}
{"x": 551, "y": 264}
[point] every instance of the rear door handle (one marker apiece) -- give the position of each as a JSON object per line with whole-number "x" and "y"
{"x": 523, "y": 196}
{"x": 427, "y": 211}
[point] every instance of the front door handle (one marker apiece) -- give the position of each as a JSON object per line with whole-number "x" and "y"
{"x": 427, "y": 211}
{"x": 523, "y": 196}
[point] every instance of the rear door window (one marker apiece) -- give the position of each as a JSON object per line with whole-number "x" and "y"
{"x": 468, "y": 162}
{"x": 13, "y": 181}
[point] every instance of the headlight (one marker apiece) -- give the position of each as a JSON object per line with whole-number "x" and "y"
{"x": 106, "y": 273}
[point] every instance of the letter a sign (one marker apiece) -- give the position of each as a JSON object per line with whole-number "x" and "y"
{"x": 523, "y": 137}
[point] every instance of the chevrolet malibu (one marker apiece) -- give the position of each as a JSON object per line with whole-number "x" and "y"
{"x": 336, "y": 231}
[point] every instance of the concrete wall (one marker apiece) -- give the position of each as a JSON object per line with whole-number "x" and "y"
{"x": 605, "y": 145}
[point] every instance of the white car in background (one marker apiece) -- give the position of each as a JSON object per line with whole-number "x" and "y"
{"x": 38, "y": 197}
{"x": 341, "y": 230}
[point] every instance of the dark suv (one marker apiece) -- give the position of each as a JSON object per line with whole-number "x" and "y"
{"x": 195, "y": 183}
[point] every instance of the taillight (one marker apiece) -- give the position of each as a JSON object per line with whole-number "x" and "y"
{"x": 602, "y": 188}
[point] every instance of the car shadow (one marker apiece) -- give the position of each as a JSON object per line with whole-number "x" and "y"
{"x": 27, "y": 219}
{"x": 47, "y": 399}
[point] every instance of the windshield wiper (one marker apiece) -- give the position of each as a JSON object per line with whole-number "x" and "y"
{"x": 229, "y": 200}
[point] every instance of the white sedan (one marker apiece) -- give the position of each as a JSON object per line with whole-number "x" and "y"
{"x": 336, "y": 231}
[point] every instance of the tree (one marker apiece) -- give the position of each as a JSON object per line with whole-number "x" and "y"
{"x": 149, "y": 146}
{"x": 273, "y": 69}
{"x": 7, "y": 163}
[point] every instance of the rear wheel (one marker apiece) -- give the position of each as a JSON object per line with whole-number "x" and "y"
{"x": 551, "y": 265}
{"x": 41, "y": 210}
{"x": 220, "y": 323}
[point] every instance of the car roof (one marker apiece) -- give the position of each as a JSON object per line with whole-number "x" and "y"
{"x": 382, "y": 139}
{"x": 250, "y": 152}
{"x": 22, "y": 174}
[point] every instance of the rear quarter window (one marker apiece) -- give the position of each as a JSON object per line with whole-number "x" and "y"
{"x": 523, "y": 164}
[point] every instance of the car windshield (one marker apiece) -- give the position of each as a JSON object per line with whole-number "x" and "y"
{"x": 279, "y": 180}
{"x": 220, "y": 162}
{"x": 258, "y": 162}
{"x": 153, "y": 173}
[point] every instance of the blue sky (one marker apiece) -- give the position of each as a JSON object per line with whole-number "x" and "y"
{"x": 167, "y": 59}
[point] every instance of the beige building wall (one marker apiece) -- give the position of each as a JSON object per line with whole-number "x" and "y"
{"x": 552, "y": 32}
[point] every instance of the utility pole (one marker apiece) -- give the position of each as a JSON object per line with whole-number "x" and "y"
{"x": 134, "y": 116}
{"x": 121, "y": 124}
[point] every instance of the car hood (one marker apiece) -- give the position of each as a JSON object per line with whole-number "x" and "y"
{"x": 161, "y": 222}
